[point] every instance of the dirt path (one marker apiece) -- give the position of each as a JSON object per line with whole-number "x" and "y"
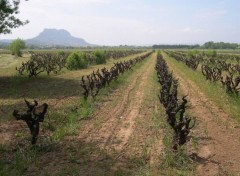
{"x": 218, "y": 134}
{"x": 120, "y": 119}
{"x": 122, "y": 127}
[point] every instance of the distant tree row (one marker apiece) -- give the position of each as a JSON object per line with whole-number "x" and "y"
{"x": 207, "y": 45}
{"x": 175, "y": 46}
{"x": 220, "y": 45}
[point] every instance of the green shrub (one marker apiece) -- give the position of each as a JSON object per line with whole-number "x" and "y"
{"x": 100, "y": 57}
{"x": 211, "y": 53}
{"x": 77, "y": 60}
{"x": 192, "y": 53}
{"x": 61, "y": 53}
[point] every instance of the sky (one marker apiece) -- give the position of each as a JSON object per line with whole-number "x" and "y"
{"x": 133, "y": 22}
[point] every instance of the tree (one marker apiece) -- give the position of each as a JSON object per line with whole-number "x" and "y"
{"x": 8, "y": 21}
{"x": 16, "y": 47}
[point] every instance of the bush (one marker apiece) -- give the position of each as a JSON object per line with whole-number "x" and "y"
{"x": 100, "y": 57}
{"x": 77, "y": 60}
{"x": 61, "y": 53}
{"x": 192, "y": 53}
{"x": 211, "y": 53}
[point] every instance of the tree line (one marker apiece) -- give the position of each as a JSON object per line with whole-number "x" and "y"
{"x": 207, "y": 45}
{"x": 175, "y": 46}
{"x": 220, "y": 45}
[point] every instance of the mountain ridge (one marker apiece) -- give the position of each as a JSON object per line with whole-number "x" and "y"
{"x": 54, "y": 37}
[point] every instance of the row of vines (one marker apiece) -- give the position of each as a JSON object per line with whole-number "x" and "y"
{"x": 99, "y": 79}
{"x": 219, "y": 68}
{"x": 175, "y": 109}
{"x": 54, "y": 62}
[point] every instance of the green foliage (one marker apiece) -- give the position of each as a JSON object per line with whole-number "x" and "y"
{"x": 16, "y": 47}
{"x": 77, "y": 60}
{"x": 8, "y": 21}
{"x": 219, "y": 45}
{"x": 192, "y": 53}
{"x": 158, "y": 52}
{"x": 100, "y": 57}
{"x": 61, "y": 53}
{"x": 211, "y": 53}
{"x": 86, "y": 109}
{"x": 175, "y": 161}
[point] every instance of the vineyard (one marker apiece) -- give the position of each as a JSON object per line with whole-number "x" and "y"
{"x": 120, "y": 112}
{"x": 219, "y": 68}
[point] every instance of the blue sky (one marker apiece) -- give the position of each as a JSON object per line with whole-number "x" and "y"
{"x": 134, "y": 22}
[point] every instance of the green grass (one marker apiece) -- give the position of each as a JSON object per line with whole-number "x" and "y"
{"x": 176, "y": 159}
{"x": 16, "y": 162}
{"x": 8, "y": 63}
{"x": 71, "y": 122}
{"x": 214, "y": 91}
{"x": 175, "y": 162}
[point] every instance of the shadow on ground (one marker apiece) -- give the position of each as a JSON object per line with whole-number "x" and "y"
{"x": 76, "y": 157}
{"x": 40, "y": 87}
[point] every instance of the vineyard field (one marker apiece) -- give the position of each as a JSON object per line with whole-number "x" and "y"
{"x": 142, "y": 112}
